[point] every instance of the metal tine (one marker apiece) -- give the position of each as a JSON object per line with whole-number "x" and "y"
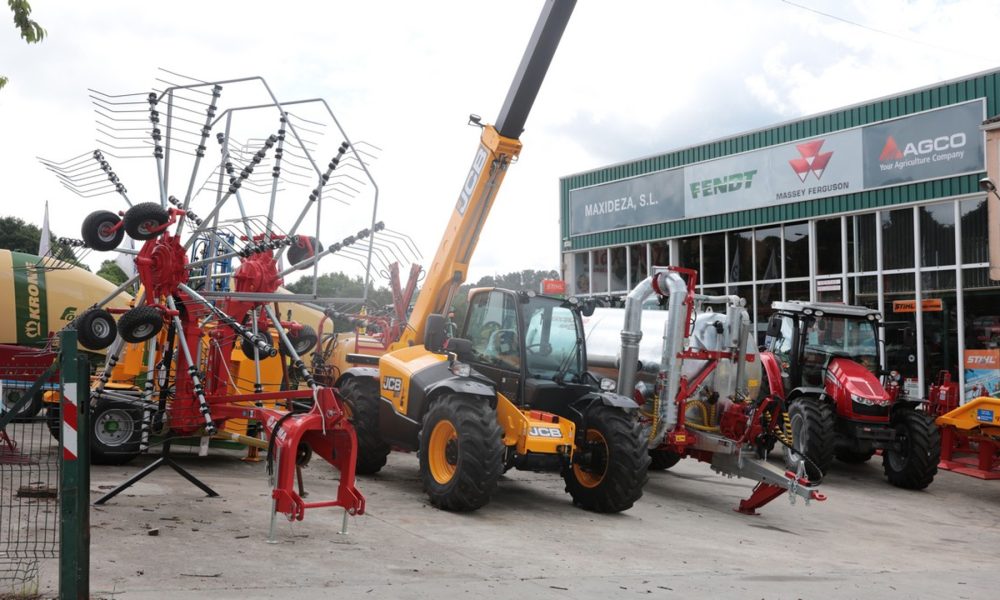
{"x": 376, "y": 251}
{"x": 106, "y": 95}
{"x": 82, "y": 158}
{"x": 410, "y": 244}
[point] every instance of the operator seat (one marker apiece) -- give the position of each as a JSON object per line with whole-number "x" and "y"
{"x": 503, "y": 345}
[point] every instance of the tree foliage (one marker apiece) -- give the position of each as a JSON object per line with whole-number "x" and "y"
{"x": 19, "y": 236}
{"x": 31, "y": 32}
{"x": 112, "y": 272}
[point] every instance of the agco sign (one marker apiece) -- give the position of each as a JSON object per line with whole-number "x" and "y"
{"x": 940, "y": 144}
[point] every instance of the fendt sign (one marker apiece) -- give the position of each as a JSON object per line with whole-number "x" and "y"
{"x": 934, "y": 144}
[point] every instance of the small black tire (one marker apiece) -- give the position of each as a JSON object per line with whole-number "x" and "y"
{"x": 811, "y": 429}
{"x": 361, "y": 398}
{"x": 248, "y": 346}
{"x": 140, "y": 324}
{"x": 14, "y": 392}
{"x": 142, "y": 221}
{"x": 96, "y": 329}
{"x": 302, "y": 340}
{"x": 618, "y": 466}
{"x": 853, "y": 457}
{"x": 915, "y": 466}
{"x": 304, "y": 248}
{"x": 115, "y": 432}
{"x": 661, "y": 460}
{"x": 461, "y": 452}
{"x": 97, "y": 232}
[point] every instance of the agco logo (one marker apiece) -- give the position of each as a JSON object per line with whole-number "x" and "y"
{"x": 546, "y": 432}
{"x": 810, "y": 160}
{"x": 392, "y": 384}
{"x": 942, "y": 143}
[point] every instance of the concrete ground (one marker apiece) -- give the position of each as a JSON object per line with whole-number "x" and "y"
{"x": 682, "y": 539}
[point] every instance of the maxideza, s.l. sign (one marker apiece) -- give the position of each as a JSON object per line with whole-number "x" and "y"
{"x": 652, "y": 198}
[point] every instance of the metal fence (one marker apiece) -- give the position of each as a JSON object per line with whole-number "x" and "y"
{"x": 30, "y": 462}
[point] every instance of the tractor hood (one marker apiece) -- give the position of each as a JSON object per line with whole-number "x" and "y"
{"x": 855, "y": 379}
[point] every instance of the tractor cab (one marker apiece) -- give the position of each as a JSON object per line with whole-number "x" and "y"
{"x": 531, "y": 346}
{"x": 807, "y": 339}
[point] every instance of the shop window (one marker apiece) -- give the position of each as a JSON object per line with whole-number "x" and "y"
{"x": 865, "y": 247}
{"x": 661, "y": 254}
{"x": 768, "y": 263}
{"x": 828, "y": 247}
{"x": 740, "y": 256}
{"x": 797, "y": 290}
{"x": 982, "y": 317}
{"x": 637, "y": 262}
{"x": 797, "y": 250}
{"x": 900, "y": 324}
{"x": 865, "y": 291}
{"x": 940, "y": 343}
{"x": 713, "y": 266}
{"x": 937, "y": 235}
{"x": 688, "y": 248}
{"x": 619, "y": 269}
{"x": 581, "y": 269}
{"x": 830, "y": 289}
{"x": 897, "y": 239}
{"x": 599, "y": 278}
{"x": 937, "y": 281}
{"x": 975, "y": 243}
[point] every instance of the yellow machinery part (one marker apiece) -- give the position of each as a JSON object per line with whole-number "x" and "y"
{"x": 548, "y": 435}
{"x": 983, "y": 413}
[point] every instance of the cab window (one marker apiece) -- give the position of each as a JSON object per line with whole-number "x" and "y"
{"x": 492, "y": 328}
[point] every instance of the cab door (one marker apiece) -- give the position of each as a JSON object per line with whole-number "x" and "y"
{"x": 493, "y": 328}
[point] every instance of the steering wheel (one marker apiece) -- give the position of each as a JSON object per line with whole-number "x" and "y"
{"x": 539, "y": 348}
{"x": 487, "y": 330}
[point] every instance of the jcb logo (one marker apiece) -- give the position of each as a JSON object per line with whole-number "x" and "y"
{"x": 546, "y": 432}
{"x": 471, "y": 180}
{"x": 392, "y": 384}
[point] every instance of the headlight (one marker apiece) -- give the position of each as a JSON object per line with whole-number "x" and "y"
{"x": 460, "y": 369}
{"x": 868, "y": 401}
{"x": 608, "y": 384}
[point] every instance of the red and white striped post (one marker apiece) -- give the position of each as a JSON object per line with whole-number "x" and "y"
{"x": 69, "y": 413}
{"x": 74, "y": 480}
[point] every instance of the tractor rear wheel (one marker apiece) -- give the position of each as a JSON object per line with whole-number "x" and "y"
{"x": 612, "y": 464}
{"x": 461, "y": 452}
{"x": 661, "y": 460}
{"x": 914, "y": 465}
{"x": 854, "y": 458}
{"x": 361, "y": 398}
{"x": 811, "y": 429}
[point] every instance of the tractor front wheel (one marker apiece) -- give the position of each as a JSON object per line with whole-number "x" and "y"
{"x": 611, "y": 465}
{"x": 461, "y": 452}
{"x": 811, "y": 429}
{"x": 361, "y": 398}
{"x": 914, "y": 464}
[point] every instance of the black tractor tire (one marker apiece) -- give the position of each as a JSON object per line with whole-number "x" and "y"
{"x": 661, "y": 460}
{"x": 812, "y": 432}
{"x": 14, "y": 392}
{"x": 115, "y": 432}
{"x": 915, "y": 466}
{"x": 361, "y": 398}
{"x": 618, "y": 463}
{"x": 852, "y": 457}
{"x": 96, "y": 329}
{"x": 140, "y": 324}
{"x": 304, "y": 248}
{"x": 247, "y": 347}
{"x": 53, "y": 421}
{"x": 461, "y": 452}
{"x": 302, "y": 340}
{"x": 96, "y": 231}
{"x": 143, "y": 220}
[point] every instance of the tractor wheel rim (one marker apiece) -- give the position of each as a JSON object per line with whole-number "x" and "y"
{"x": 106, "y": 232}
{"x": 591, "y": 477}
{"x": 143, "y": 330}
{"x": 442, "y": 452}
{"x": 113, "y": 427}
{"x": 100, "y": 328}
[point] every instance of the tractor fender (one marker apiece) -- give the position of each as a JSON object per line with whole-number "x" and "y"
{"x": 772, "y": 371}
{"x": 358, "y": 372}
{"x": 462, "y": 385}
{"x": 818, "y": 392}
{"x": 606, "y": 398}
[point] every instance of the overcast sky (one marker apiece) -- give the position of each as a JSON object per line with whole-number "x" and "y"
{"x": 630, "y": 79}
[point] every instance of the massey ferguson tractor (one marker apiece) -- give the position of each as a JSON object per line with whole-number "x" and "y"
{"x": 823, "y": 361}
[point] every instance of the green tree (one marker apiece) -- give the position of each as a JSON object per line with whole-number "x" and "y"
{"x": 19, "y": 236}
{"x": 31, "y": 31}
{"x": 340, "y": 285}
{"x": 112, "y": 272}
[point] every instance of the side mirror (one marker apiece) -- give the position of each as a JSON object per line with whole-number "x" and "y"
{"x": 587, "y": 307}
{"x": 774, "y": 327}
{"x": 435, "y": 332}
{"x": 461, "y": 347}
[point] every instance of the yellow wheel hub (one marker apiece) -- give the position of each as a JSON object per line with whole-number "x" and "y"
{"x": 592, "y": 477}
{"x": 442, "y": 452}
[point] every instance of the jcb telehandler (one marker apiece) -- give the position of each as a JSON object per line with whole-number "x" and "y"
{"x": 517, "y": 392}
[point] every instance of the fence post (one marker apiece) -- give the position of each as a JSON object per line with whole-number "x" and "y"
{"x": 74, "y": 484}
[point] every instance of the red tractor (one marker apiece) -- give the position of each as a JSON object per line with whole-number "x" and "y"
{"x": 823, "y": 360}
